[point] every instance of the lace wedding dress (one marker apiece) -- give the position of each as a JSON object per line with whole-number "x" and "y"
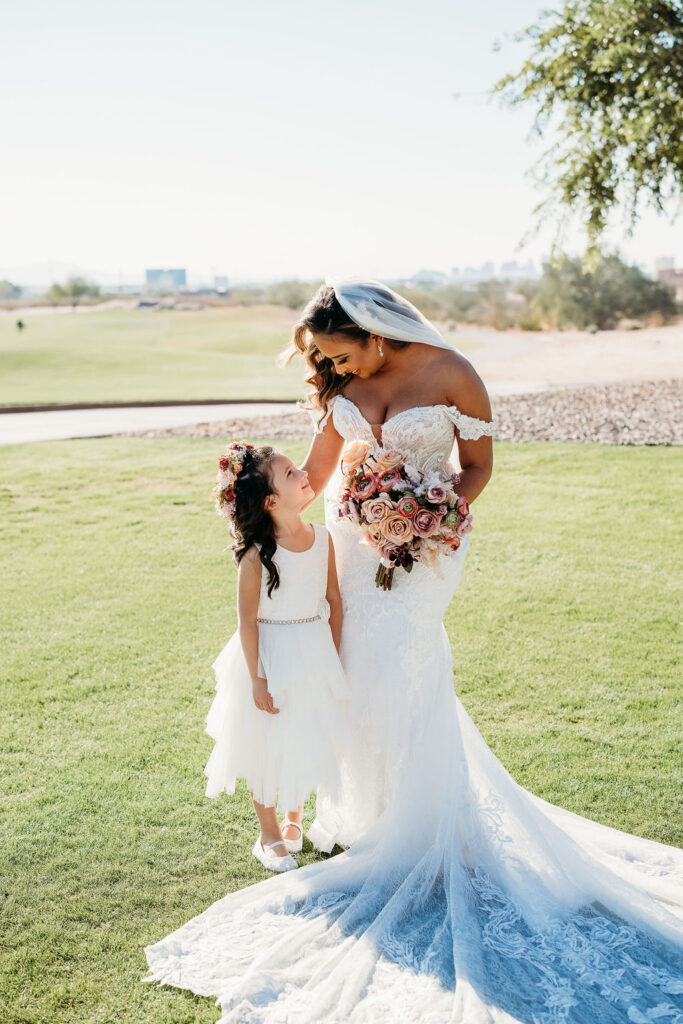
{"x": 462, "y": 896}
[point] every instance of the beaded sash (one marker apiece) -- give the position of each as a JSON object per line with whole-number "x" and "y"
{"x": 288, "y": 622}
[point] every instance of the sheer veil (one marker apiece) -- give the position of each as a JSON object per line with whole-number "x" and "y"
{"x": 379, "y": 309}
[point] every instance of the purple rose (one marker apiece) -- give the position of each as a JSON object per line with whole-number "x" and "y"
{"x": 349, "y": 510}
{"x": 436, "y": 494}
{"x": 389, "y": 551}
{"x": 425, "y": 523}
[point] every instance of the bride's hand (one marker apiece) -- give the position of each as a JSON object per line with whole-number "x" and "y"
{"x": 263, "y": 699}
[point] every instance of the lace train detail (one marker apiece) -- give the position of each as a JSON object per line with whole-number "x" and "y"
{"x": 462, "y": 898}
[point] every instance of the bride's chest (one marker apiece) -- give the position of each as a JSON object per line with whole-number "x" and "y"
{"x": 424, "y": 433}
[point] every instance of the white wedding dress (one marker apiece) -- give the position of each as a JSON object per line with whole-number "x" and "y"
{"x": 462, "y": 897}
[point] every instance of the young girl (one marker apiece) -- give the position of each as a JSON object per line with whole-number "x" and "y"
{"x": 281, "y": 690}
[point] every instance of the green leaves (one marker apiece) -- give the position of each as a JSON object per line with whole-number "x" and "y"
{"x": 608, "y": 76}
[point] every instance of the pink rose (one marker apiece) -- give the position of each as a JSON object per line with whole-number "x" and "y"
{"x": 376, "y": 509}
{"x": 396, "y": 529}
{"x": 364, "y": 487}
{"x": 425, "y": 523}
{"x": 407, "y": 506}
{"x": 388, "y": 479}
{"x": 464, "y": 526}
{"x": 462, "y": 506}
{"x": 389, "y": 551}
{"x": 436, "y": 493}
{"x": 349, "y": 510}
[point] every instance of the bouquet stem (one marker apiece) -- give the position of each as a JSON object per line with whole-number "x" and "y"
{"x": 384, "y": 576}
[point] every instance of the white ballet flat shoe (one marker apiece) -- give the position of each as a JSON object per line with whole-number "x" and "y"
{"x": 271, "y": 860}
{"x": 293, "y": 845}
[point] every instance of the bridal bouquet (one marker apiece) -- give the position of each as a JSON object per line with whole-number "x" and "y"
{"x": 405, "y": 515}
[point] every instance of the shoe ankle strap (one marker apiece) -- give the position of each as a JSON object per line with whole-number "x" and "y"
{"x": 278, "y": 842}
{"x": 287, "y": 821}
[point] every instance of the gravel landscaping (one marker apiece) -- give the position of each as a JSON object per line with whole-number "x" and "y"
{"x": 643, "y": 413}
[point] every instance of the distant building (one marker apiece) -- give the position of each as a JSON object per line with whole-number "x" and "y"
{"x": 428, "y": 277}
{"x": 165, "y": 280}
{"x": 514, "y": 271}
{"x": 482, "y": 273}
{"x": 220, "y": 284}
{"x": 663, "y": 263}
{"x": 666, "y": 272}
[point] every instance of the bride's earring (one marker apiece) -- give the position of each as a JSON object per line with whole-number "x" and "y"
{"x": 379, "y": 348}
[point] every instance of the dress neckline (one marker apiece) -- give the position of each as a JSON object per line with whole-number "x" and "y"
{"x": 412, "y": 408}
{"x": 305, "y": 550}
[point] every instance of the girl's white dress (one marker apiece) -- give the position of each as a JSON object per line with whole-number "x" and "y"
{"x": 463, "y": 898}
{"x": 282, "y": 757}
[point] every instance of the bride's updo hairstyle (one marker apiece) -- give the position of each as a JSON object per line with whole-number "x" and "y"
{"x": 324, "y": 315}
{"x": 251, "y": 522}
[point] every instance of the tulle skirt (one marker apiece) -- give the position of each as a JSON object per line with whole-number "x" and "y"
{"x": 282, "y": 757}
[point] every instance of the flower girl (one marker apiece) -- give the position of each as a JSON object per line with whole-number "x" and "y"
{"x": 280, "y": 688}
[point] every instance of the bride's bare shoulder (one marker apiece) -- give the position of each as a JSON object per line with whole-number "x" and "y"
{"x": 463, "y": 385}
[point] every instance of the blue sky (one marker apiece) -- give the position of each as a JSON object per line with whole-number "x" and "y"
{"x": 270, "y": 139}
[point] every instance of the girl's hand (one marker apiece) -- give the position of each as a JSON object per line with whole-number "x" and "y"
{"x": 263, "y": 699}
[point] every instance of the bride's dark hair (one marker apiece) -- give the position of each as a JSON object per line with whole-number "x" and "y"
{"x": 324, "y": 315}
{"x": 251, "y": 522}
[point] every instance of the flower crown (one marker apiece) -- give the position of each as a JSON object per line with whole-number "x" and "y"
{"x": 229, "y": 467}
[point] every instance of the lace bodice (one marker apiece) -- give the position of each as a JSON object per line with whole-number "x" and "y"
{"x": 425, "y": 433}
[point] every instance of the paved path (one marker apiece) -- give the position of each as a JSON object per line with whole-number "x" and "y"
{"x": 17, "y": 427}
{"x": 510, "y": 362}
{"x": 54, "y": 425}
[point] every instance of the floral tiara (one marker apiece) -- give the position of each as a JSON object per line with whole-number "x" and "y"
{"x": 229, "y": 467}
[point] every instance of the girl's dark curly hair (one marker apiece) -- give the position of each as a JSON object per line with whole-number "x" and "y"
{"x": 324, "y": 315}
{"x": 252, "y": 523}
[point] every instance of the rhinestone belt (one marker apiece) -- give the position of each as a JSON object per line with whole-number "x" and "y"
{"x": 288, "y": 622}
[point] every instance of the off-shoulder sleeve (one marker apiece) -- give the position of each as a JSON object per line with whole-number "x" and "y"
{"x": 469, "y": 427}
{"x": 318, "y": 423}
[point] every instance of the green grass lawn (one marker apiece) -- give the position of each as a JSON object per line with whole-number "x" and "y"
{"x": 118, "y": 594}
{"x": 141, "y": 355}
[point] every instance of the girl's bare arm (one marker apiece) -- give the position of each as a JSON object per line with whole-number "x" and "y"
{"x": 333, "y": 596}
{"x": 248, "y": 594}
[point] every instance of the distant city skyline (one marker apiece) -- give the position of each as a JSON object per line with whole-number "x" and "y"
{"x": 38, "y": 276}
{"x": 272, "y": 141}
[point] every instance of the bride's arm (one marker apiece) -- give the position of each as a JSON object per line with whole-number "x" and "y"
{"x": 322, "y": 458}
{"x": 467, "y": 391}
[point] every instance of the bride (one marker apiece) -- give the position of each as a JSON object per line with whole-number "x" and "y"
{"x": 461, "y": 896}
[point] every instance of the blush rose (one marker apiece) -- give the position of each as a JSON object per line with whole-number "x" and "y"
{"x": 353, "y": 456}
{"x": 425, "y": 523}
{"x": 396, "y": 529}
{"x": 376, "y": 509}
